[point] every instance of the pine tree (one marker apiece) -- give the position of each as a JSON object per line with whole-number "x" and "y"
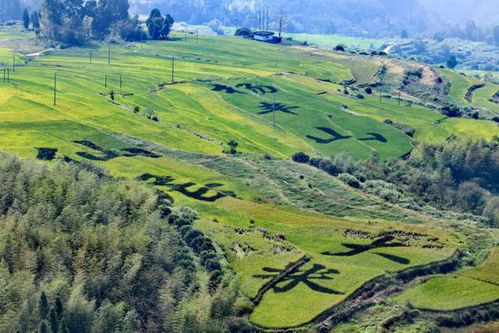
{"x": 59, "y": 308}
{"x": 26, "y": 19}
{"x": 54, "y": 322}
{"x": 43, "y": 328}
{"x": 44, "y": 305}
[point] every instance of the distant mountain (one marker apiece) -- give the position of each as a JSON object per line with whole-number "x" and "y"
{"x": 484, "y": 12}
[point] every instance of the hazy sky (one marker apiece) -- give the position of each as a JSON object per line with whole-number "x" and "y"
{"x": 460, "y": 11}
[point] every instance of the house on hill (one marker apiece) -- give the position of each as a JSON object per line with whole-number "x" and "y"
{"x": 263, "y": 36}
{"x": 266, "y": 36}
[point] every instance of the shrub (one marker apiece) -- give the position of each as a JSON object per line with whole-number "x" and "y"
{"x": 268, "y": 156}
{"x": 491, "y": 211}
{"x": 451, "y": 110}
{"x": 244, "y": 32}
{"x": 241, "y": 326}
{"x": 300, "y": 157}
{"x": 418, "y": 73}
{"x": 382, "y": 189}
{"x": 233, "y": 144}
{"x": 182, "y": 215}
{"x": 349, "y": 179}
{"x": 339, "y": 48}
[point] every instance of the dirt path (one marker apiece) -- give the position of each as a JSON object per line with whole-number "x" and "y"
{"x": 38, "y": 54}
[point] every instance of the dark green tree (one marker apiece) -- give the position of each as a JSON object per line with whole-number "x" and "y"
{"x": 44, "y": 305}
{"x": 26, "y": 19}
{"x": 35, "y": 22}
{"x": 59, "y": 307}
{"x": 54, "y": 322}
{"x": 167, "y": 26}
{"x": 155, "y": 24}
{"x": 63, "y": 20}
{"x": 452, "y": 62}
{"x": 106, "y": 14}
{"x": 233, "y": 144}
{"x": 43, "y": 328}
{"x": 159, "y": 27}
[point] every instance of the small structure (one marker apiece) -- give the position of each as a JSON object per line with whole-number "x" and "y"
{"x": 266, "y": 36}
{"x": 263, "y": 36}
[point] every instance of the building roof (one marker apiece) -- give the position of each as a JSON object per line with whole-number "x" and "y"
{"x": 263, "y": 33}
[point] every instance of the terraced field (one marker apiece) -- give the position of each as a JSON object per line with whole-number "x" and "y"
{"x": 472, "y": 92}
{"x": 132, "y": 117}
{"x": 467, "y": 288}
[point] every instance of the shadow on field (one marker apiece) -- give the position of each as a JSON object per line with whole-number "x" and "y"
{"x": 277, "y": 107}
{"x": 229, "y": 90}
{"x": 375, "y": 137}
{"x": 106, "y": 155}
{"x": 383, "y": 242}
{"x": 334, "y": 136}
{"x": 316, "y": 272}
{"x": 199, "y": 194}
{"x": 46, "y": 154}
{"x": 258, "y": 89}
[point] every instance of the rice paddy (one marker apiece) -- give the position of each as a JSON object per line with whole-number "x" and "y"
{"x": 141, "y": 114}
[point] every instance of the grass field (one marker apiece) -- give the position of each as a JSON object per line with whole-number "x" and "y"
{"x": 481, "y": 96}
{"x": 15, "y": 34}
{"x": 466, "y": 288}
{"x": 264, "y": 213}
{"x": 459, "y": 85}
{"x": 330, "y": 41}
{"x": 444, "y": 293}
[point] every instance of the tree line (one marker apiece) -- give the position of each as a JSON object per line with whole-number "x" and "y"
{"x": 458, "y": 176}
{"x": 83, "y": 252}
{"x": 77, "y": 21}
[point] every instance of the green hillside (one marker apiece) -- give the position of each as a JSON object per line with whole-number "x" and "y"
{"x": 133, "y": 118}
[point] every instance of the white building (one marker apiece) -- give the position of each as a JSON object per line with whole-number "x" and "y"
{"x": 263, "y": 36}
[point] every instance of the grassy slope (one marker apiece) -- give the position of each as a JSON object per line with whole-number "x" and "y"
{"x": 194, "y": 118}
{"x": 459, "y": 87}
{"x": 466, "y": 288}
{"x": 330, "y": 41}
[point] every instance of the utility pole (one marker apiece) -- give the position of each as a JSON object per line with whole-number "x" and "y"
{"x": 173, "y": 69}
{"x": 108, "y": 54}
{"x": 90, "y": 56}
{"x": 281, "y": 22}
{"x": 55, "y": 88}
{"x": 267, "y": 17}
{"x": 8, "y": 75}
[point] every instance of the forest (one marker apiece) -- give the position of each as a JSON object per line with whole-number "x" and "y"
{"x": 83, "y": 252}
